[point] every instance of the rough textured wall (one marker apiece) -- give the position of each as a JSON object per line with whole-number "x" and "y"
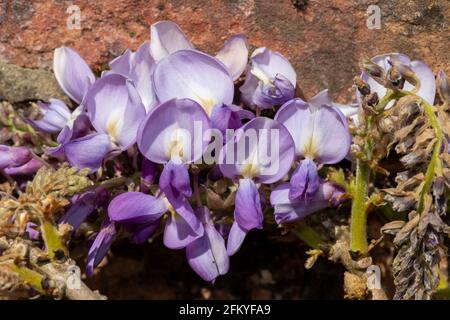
{"x": 323, "y": 40}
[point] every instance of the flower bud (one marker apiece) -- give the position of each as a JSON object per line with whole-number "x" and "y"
{"x": 13, "y": 156}
{"x": 31, "y": 167}
{"x": 395, "y": 78}
{"x": 405, "y": 72}
{"x": 373, "y": 70}
{"x": 443, "y": 87}
{"x": 362, "y": 86}
{"x": 372, "y": 99}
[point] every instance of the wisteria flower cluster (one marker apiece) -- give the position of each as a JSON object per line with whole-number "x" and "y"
{"x": 203, "y": 149}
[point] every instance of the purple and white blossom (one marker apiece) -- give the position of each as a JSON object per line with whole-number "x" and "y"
{"x": 289, "y": 210}
{"x": 55, "y": 115}
{"x": 168, "y": 136}
{"x": 251, "y": 164}
{"x": 270, "y": 80}
{"x": 115, "y": 110}
{"x": 321, "y": 136}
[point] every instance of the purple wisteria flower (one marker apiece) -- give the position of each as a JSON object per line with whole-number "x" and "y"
{"x": 288, "y": 210}
{"x": 138, "y": 66}
{"x": 270, "y": 80}
{"x": 115, "y": 110}
{"x": 261, "y": 151}
{"x": 72, "y": 73}
{"x": 55, "y": 115}
{"x": 175, "y": 134}
{"x": 321, "y": 136}
{"x": 140, "y": 215}
{"x": 427, "y": 89}
{"x": 75, "y": 78}
{"x": 167, "y": 38}
{"x": 57, "y": 118}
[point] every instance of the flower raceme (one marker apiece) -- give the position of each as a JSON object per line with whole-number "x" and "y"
{"x": 178, "y": 106}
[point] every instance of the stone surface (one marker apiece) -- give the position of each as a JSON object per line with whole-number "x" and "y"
{"x": 323, "y": 41}
{"x": 19, "y": 84}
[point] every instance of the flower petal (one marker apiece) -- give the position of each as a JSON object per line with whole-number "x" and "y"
{"x": 139, "y": 68}
{"x": 277, "y": 91}
{"x": 181, "y": 230}
{"x": 174, "y": 129}
{"x": 72, "y": 73}
{"x": 320, "y": 134}
{"x": 123, "y": 63}
{"x": 136, "y": 208}
{"x": 194, "y": 75}
{"x": 166, "y": 38}
{"x": 31, "y": 167}
{"x": 229, "y": 117}
{"x": 267, "y": 64}
{"x": 82, "y": 206}
{"x": 149, "y": 171}
{"x": 235, "y": 238}
{"x": 142, "y": 73}
{"x": 13, "y": 156}
{"x": 33, "y": 234}
{"x": 427, "y": 89}
{"x": 175, "y": 176}
{"x": 262, "y": 149}
{"x": 234, "y": 55}
{"x": 141, "y": 232}
{"x": 88, "y": 151}
{"x": 248, "y": 212}
{"x": 115, "y": 108}
{"x": 207, "y": 255}
{"x": 287, "y": 210}
{"x": 304, "y": 181}
{"x": 100, "y": 246}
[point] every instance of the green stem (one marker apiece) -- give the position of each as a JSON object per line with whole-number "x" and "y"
{"x": 358, "y": 223}
{"x": 385, "y": 100}
{"x": 358, "y": 243}
{"x": 52, "y": 241}
{"x": 309, "y": 236}
{"x": 29, "y": 276}
{"x": 435, "y": 166}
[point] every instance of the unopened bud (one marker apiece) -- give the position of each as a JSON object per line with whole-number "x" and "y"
{"x": 405, "y": 72}
{"x": 443, "y": 87}
{"x": 362, "y": 86}
{"x": 372, "y": 99}
{"x": 373, "y": 70}
{"x": 395, "y": 78}
{"x": 13, "y": 156}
